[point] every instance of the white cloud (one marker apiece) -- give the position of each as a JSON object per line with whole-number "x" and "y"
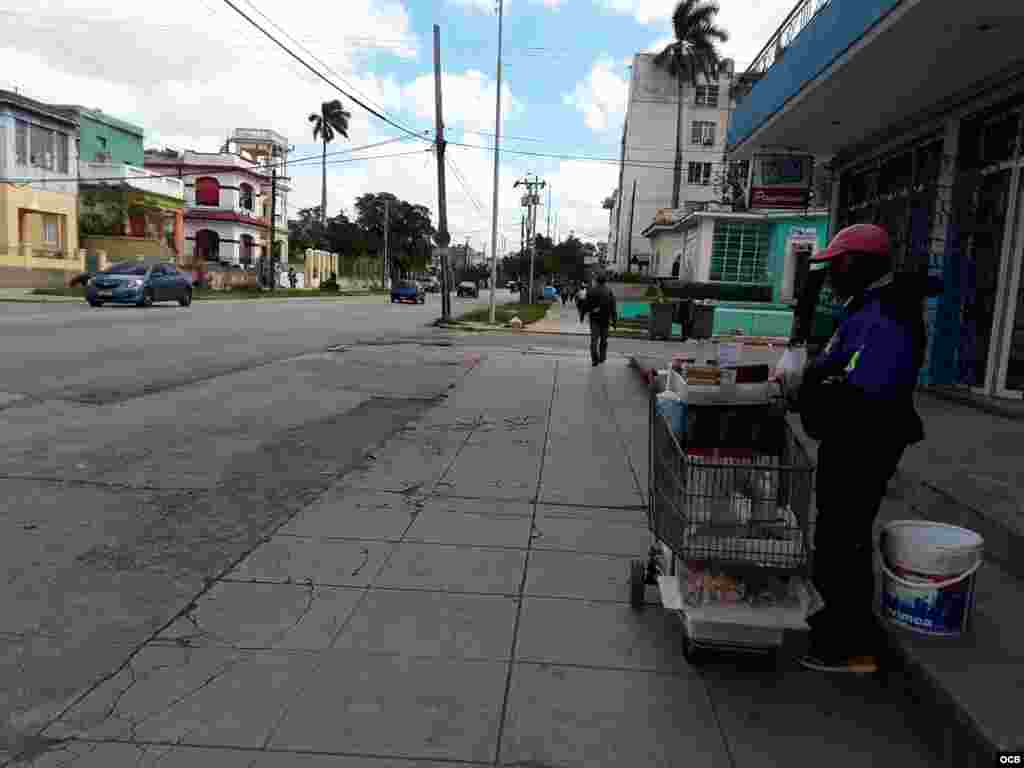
{"x": 467, "y": 98}
{"x": 481, "y": 6}
{"x": 601, "y": 97}
{"x": 749, "y": 25}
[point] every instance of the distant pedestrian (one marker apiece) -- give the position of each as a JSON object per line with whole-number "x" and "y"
{"x": 600, "y": 305}
{"x": 581, "y": 297}
{"x": 564, "y": 291}
{"x": 293, "y": 279}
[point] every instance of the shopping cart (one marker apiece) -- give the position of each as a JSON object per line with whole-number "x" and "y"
{"x": 732, "y": 495}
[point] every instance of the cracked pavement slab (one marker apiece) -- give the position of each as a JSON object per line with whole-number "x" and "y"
{"x": 199, "y": 696}
{"x": 252, "y": 615}
{"x": 324, "y": 562}
{"x": 344, "y": 512}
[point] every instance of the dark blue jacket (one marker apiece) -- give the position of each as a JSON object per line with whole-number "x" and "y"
{"x": 860, "y": 388}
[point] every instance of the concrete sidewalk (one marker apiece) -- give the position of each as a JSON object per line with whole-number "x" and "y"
{"x": 562, "y": 319}
{"x": 462, "y": 599}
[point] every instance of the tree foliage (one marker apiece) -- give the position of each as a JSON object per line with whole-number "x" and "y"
{"x": 695, "y": 48}
{"x": 410, "y": 232}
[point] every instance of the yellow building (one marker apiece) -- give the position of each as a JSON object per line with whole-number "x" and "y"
{"x": 39, "y": 195}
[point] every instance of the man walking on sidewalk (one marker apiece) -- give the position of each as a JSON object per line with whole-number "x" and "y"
{"x": 600, "y": 305}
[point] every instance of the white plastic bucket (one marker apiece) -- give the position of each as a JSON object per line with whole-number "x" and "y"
{"x": 928, "y": 573}
{"x": 932, "y": 549}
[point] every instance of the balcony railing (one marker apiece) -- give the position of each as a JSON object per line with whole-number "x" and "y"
{"x": 137, "y": 178}
{"x": 787, "y": 32}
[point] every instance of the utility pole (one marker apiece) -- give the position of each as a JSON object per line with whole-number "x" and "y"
{"x": 443, "y": 237}
{"x": 270, "y": 227}
{"x": 629, "y": 243}
{"x": 497, "y": 145}
{"x": 384, "y": 268}
{"x": 532, "y": 199}
{"x": 549, "y": 213}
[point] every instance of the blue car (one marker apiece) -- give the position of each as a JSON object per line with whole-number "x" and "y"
{"x": 408, "y": 291}
{"x": 140, "y": 284}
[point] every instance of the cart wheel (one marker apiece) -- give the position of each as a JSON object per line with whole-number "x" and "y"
{"x": 637, "y": 585}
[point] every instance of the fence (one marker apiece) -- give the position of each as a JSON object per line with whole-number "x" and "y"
{"x": 795, "y": 22}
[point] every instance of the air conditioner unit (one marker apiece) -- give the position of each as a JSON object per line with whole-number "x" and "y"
{"x": 708, "y": 142}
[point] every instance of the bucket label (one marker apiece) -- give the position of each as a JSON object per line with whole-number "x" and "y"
{"x": 939, "y": 611}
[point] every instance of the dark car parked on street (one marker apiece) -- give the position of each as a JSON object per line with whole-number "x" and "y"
{"x": 140, "y": 284}
{"x": 468, "y": 290}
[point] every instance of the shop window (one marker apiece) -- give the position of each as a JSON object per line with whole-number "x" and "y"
{"x": 207, "y": 191}
{"x": 999, "y": 139}
{"x": 929, "y": 165}
{"x": 739, "y": 252}
{"x": 245, "y": 197}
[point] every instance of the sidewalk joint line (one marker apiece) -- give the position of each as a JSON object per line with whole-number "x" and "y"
{"x": 503, "y": 717}
{"x": 286, "y": 708}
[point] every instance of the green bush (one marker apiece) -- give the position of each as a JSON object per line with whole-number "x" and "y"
{"x": 330, "y": 285}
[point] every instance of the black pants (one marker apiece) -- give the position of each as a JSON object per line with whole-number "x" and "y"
{"x": 598, "y": 339}
{"x": 851, "y": 482}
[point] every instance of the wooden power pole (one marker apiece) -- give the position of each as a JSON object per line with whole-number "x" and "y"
{"x": 385, "y": 267}
{"x": 443, "y": 237}
{"x": 273, "y": 214}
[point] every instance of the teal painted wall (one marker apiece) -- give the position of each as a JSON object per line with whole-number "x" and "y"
{"x": 103, "y": 133}
{"x": 780, "y": 230}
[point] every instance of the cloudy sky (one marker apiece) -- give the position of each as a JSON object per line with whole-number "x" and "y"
{"x": 192, "y": 71}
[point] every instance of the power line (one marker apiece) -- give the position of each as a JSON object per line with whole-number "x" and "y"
{"x": 320, "y": 75}
{"x": 654, "y": 164}
{"x": 465, "y": 186}
{"x": 183, "y": 174}
{"x": 315, "y": 58}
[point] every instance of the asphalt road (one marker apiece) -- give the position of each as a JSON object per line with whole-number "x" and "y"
{"x": 142, "y": 452}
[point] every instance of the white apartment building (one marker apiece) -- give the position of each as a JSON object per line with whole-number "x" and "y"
{"x": 647, "y": 155}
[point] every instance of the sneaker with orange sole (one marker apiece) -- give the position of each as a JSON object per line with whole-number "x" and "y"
{"x": 858, "y": 665}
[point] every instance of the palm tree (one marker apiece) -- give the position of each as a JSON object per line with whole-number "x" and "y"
{"x": 332, "y": 119}
{"x": 694, "y": 52}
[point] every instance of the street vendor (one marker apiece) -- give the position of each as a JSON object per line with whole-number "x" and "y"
{"x": 856, "y": 399}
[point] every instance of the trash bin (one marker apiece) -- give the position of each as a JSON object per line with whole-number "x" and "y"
{"x": 660, "y": 322}
{"x": 703, "y": 321}
{"x": 684, "y": 316}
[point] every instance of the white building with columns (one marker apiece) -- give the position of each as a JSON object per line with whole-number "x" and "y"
{"x": 227, "y": 198}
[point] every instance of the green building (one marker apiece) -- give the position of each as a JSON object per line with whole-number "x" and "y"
{"x": 106, "y": 139}
{"x": 764, "y": 248}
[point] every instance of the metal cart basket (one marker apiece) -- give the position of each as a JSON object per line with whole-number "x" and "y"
{"x": 735, "y": 491}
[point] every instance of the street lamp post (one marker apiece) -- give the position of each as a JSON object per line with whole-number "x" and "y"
{"x": 497, "y": 143}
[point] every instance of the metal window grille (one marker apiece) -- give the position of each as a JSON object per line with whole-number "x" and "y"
{"x": 739, "y": 253}
{"x": 706, "y": 96}
{"x": 702, "y": 132}
{"x": 698, "y": 173}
